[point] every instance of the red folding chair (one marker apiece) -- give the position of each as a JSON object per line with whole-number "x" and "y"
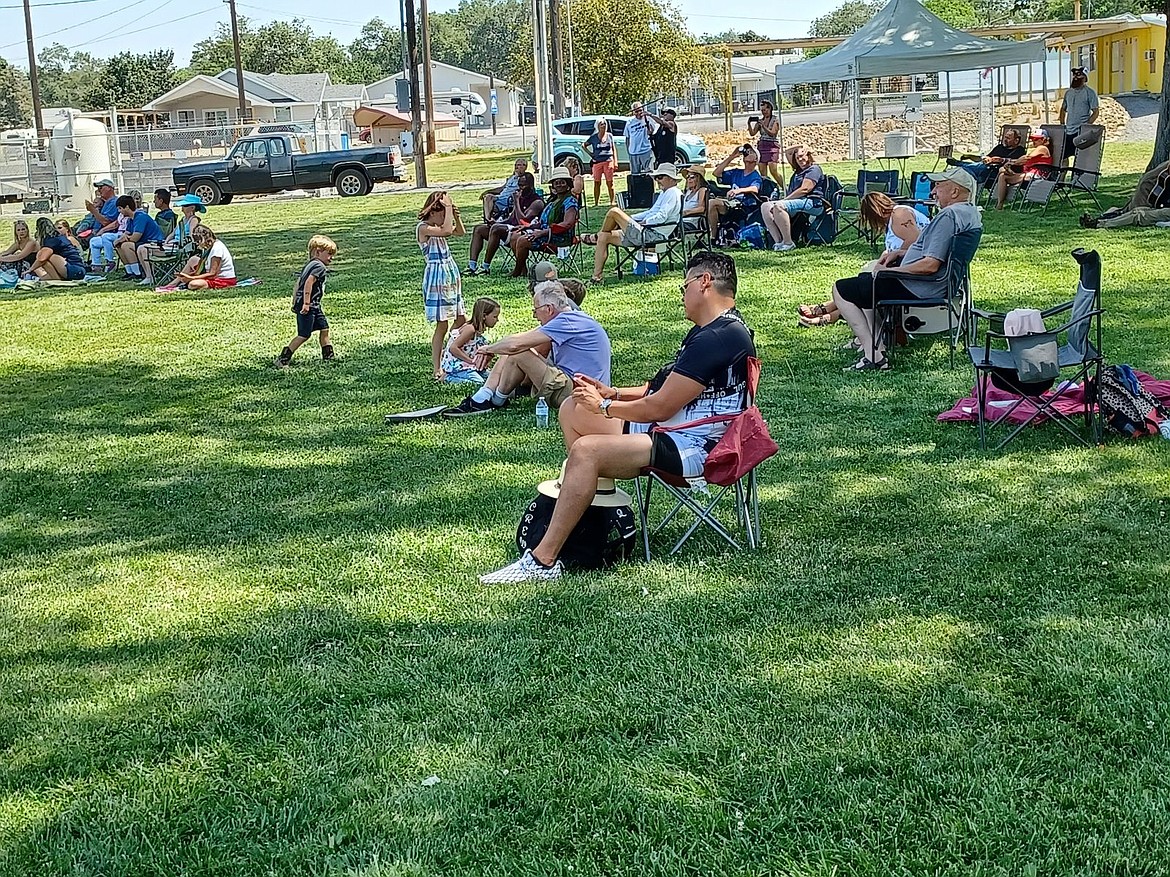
{"x": 730, "y": 470}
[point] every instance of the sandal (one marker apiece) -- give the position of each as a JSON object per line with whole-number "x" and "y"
{"x": 850, "y": 346}
{"x": 814, "y": 322}
{"x": 595, "y": 281}
{"x": 865, "y": 364}
{"x": 589, "y": 240}
{"x": 810, "y": 311}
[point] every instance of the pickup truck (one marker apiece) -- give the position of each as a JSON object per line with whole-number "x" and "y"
{"x": 262, "y": 164}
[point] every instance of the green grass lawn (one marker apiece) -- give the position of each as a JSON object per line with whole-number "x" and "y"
{"x": 240, "y": 625}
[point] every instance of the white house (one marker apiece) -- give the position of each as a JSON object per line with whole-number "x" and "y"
{"x": 212, "y": 101}
{"x": 445, "y": 78}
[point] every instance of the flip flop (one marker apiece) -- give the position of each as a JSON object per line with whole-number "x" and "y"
{"x": 813, "y": 322}
{"x": 810, "y": 311}
{"x": 589, "y": 239}
{"x": 595, "y": 281}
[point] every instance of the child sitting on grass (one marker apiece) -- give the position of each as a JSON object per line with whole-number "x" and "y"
{"x": 458, "y": 361}
{"x": 442, "y": 286}
{"x": 219, "y": 271}
{"x": 306, "y": 301}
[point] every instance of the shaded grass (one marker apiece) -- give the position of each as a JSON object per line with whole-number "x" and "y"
{"x": 239, "y": 623}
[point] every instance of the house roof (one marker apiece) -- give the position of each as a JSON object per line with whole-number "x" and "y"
{"x": 345, "y": 92}
{"x": 201, "y": 84}
{"x": 306, "y": 87}
{"x": 500, "y": 83}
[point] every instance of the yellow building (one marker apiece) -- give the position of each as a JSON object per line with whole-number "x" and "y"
{"x": 1122, "y": 54}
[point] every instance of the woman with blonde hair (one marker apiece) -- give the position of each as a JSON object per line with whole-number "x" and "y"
{"x": 901, "y": 226}
{"x": 21, "y": 252}
{"x": 602, "y": 152}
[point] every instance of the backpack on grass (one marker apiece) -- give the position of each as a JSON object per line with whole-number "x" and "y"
{"x": 605, "y": 535}
{"x": 1127, "y": 408}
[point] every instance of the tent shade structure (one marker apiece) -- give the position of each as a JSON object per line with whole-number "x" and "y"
{"x": 905, "y": 37}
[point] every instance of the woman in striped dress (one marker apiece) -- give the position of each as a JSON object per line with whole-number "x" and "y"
{"x": 442, "y": 285}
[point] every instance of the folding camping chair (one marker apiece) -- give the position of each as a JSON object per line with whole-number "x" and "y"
{"x": 987, "y": 187}
{"x": 1085, "y": 173}
{"x": 925, "y": 316}
{"x": 821, "y": 226}
{"x": 867, "y": 181}
{"x": 667, "y": 249}
{"x": 743, "y": 490}
{"x": 696, "y": 235}
{"x": 166, "y": 264}
{"x": 999, "y": 360}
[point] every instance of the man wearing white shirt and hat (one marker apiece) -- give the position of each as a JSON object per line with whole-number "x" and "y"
{"x": 643, "y": 229}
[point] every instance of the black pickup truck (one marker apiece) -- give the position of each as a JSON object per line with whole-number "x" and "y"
{"x": 260, "y": 165}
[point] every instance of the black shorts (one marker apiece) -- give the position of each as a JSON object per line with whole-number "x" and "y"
{"x": 74, "y": 271}
{"x": 311, "y": 322}
{"x": 865, "y": 290}
{"x": 664, "y": 455}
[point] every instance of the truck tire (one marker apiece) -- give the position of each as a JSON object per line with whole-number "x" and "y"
{"x": 351, "y": 183}
{"x": 206, "y": 191}
{"x": 560, "y": 160}
{"x": 225, "y": 199}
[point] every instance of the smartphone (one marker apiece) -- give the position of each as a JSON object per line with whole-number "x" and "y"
{"x": 753, "y": 118}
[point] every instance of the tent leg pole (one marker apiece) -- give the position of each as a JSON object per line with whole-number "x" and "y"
{"x": 950, "y": 117}
{"x": 1044, "y": 84}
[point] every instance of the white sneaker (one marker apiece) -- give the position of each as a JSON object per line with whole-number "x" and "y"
{"x": 145, "y": 282}
{"x": 776, "y": 248}
{"x": 526, "y": 569}
{"x": 784, "y": 248}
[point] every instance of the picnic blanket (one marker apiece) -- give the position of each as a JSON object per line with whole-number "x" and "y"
{"x": 1071, "y": 401}
{"x": 178, "y": 287}
{"x": 30, "y": 283}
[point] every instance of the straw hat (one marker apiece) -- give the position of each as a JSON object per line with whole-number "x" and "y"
{"x": 560, "y": 173}
{"x": 666, "y": 169}
{"x": 608, "y": 495}
{"x": 699, "y": 170}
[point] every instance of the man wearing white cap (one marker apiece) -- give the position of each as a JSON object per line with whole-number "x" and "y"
{"x": 642, "y": 229}
{"x": 921, "y": 272}
{"x": 104, "y": 210}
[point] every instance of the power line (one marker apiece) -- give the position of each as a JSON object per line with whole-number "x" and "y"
{"x": 73, "y": 26}
{"x": 54, "y": 3}
{"x": 284, "y": 14}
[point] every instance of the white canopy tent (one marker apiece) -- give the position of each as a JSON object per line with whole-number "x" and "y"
{"x": 905, "y": 38}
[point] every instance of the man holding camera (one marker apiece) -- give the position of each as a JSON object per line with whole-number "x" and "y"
{"x": 1079, "y": 107}
{"x": 744, "y": 186}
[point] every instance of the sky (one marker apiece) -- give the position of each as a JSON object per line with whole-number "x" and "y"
{"x": 105, "y": 27}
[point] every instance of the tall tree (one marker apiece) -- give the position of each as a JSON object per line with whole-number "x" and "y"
{"x": 633, "y": 50}
{"x": 131, "y": 80}
{"x": 376, "y": 52}
{"x": 1162, "y": 138}
{"x": 15, "y": 97}
{"x": 67, "y": 78}
{"x": 276, "y": 47}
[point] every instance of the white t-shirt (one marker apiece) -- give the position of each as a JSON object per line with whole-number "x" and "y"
{"x": 227, "y": 268}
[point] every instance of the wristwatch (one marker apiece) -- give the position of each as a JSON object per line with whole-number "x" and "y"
{"x": 604, "y": 407}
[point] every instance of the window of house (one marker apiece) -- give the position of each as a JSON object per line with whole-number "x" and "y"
{"x": 1116, "y": 56}
{"x": 215, "y": 118}
{"x": 282, "y": 114}
{"x": 1087, "y": 57}
{"x": 185, "y": 118}
{"x": 1152, "y": 58}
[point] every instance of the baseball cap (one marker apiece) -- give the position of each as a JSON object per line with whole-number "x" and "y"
{"x": 959, "y": 177}
{"x": 104, "y": 181}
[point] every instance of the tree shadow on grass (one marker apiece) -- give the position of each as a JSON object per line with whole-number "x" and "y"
{"x": 722, "y": 724}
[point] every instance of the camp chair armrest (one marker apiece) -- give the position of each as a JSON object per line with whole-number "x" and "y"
{"x": 970, "y": 156}
{"x": 988, "y": 315}
{"x": 1081, "y": 319}
{"x": 1057, "y": 309}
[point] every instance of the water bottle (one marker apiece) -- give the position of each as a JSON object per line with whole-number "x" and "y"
{"x": 541, "y": 413}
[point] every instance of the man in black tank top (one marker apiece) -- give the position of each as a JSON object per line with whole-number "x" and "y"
{"x": 664, "y": 137}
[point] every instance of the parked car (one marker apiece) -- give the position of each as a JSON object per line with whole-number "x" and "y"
{"x": 682, "y": 110}
{"x": 270, "y": 163}
{"x": 569, "y": 136}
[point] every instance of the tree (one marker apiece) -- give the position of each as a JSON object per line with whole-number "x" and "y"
{"x": 487, "y": 36}
{"x": 1162, "y": 138}
{"x": 377, "y": 52}
{"x": 130, "y": 80}
{"x": 276, "y": 47}
{"x": 15, "y": 97}
{"x": 631, "y": 50}
{"x": 845, "y": 19}
{"x": 66, "y": 78}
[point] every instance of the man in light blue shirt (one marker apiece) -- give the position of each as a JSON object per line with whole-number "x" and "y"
{"x": 642, "y": 229}
{"x": 638, "y": 140}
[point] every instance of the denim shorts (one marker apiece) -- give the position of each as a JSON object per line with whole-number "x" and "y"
{"x": 74, "y": 271}
{"x": 311, "y": 322}
{"x": 792, "y": 206}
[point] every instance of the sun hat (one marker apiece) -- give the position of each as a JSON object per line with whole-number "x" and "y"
{"x": 959, "y": 177}
{"x": 190, "y": 201}
{"x": 608, "y": 495}
{"x": 698, "y": 170}
{"x": 666, "y": 169}
{"x": 104, "y": 181}
{"x": 560, "y": 173}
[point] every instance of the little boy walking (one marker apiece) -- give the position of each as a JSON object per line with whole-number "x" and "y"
{"x": 306, "y": 301}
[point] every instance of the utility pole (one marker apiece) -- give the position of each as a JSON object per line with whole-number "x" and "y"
{"x": 493, "y": 101}
{"x": 428, "y": 85}
{"x": 420, "y": 162}
{"x": 558, "y": 63}
{"x": 38, "y": 122}
{"x": 243, "y": 108}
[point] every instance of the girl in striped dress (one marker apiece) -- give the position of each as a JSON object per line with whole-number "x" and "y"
{"x": 442, "y": 286}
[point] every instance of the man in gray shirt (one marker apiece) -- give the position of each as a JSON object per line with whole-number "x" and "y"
{"x": 922, "y": 272}
{"x": 1079, "y": 107}
{"x": 638, "y": 140}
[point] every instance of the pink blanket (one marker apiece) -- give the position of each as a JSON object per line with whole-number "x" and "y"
{"x": 1070, "y": 402}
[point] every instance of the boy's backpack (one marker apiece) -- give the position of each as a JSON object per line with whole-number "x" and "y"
{"x": 1127, "y": 407}
{"x": 604, "y": 536}
{"x": 750, "y": 237}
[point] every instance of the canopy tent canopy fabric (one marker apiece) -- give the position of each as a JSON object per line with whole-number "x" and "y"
{"x": 907, "y": 38}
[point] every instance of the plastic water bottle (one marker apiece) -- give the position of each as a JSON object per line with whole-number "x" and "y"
{"x": 541, "y": 413}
